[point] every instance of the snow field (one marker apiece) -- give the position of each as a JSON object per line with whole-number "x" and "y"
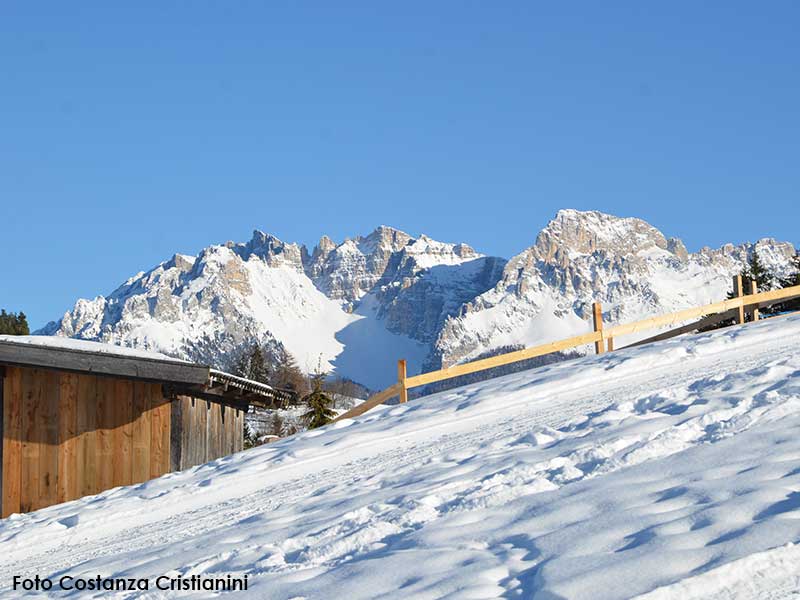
{"x": 642, "y": 471}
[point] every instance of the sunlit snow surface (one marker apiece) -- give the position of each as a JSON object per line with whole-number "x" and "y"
{"x": 62, "y": 343}
{"x": 642, "y": 471}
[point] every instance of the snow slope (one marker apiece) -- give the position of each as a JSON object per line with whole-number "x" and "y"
{"x": 672, "y": 470}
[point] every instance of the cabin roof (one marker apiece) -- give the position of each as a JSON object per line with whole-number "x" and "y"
{"x": 178, "y": 376}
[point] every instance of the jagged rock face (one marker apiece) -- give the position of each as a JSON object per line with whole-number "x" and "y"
{"x": 546, "y": 292}
{"x": 358, "y": 305}
{"x": 207, "y": 308}
{"x": 419, "y": 305}
{"x": 350, "y": 270}
{"x": 271, "y": 250}
{"x": 362, "y": 265}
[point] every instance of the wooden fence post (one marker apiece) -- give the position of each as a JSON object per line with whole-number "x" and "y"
{"x": 754, "y": 308}
{"x": 597, "y": 315}
{"x": 610, "y": 344}
{"x": 738, "y": 292}
{"x": 401, "y": 380}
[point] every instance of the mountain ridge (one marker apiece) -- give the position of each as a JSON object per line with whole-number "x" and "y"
{"x": 356, "y": 306}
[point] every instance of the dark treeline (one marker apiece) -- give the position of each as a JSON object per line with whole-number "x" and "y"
{"x": 13, "y": 323}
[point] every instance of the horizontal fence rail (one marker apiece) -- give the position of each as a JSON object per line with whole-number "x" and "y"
{"x": 734, "y": 308}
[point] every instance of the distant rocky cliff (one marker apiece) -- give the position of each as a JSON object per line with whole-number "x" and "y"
{"x": 357, "y": 305}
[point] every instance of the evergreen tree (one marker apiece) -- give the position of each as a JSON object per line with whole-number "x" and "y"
{"x": 250, "y": 438}
{"x": 13, "y": 323}
{"x": 755, "y": 271}
{"x": 252, "y": 365}
{"x": 319, "y": 404}
{"x": 790, "y": 281}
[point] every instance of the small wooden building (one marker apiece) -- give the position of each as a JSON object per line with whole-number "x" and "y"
{"x": 81, "y": 417}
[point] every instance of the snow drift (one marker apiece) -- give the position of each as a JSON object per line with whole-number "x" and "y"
{"x": 671, "y": 469}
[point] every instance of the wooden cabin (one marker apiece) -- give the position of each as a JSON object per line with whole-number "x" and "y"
{"x": 82, "y": 417}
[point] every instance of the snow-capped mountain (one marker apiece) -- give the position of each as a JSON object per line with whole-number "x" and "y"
{"x": 354, "y": 307}
{"x": 357, "y": 306}
{"x": 546, "y": 292}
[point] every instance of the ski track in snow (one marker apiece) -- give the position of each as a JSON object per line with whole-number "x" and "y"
{"x": 455, "y": 496}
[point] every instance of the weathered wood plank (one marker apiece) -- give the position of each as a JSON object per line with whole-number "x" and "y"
{"x": 228, "y": 418}
{"x": 190, "y": 433}
{"x": 762, "y": 299}
{"x": 104, "y": 434}
{"x": 213, "y": 432}
{"x": 497, "y": 361}
{"x": 140, "y": 434}
{"x": 401, "y": 380}
{"x": 86, "y": 446}
{"x": 12, "y": 444}
{"x": 237, "y": 431}
{"x": 122, "y": 434}
{"x": 691, "y": 327}
{"x": 202, "y": 413}
{"x": 233, "y": 422}
{"x": 224, "y": 420}
{"x": 48, "y": 430}
{"x": 754, "y": 313}
{"x": 67, "y": 483}
{"x": 240, "y": 430}
{"x": 31, "y": 441}
{"x": 375, "y": 400}
{"x": 176, "y": 446}
{"x": 159, "y": 434}
{"x": 738, "y": 291}
{"x": 597, "y": 321}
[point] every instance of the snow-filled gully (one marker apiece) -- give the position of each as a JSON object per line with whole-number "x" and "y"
{"x": 604, "y": 477}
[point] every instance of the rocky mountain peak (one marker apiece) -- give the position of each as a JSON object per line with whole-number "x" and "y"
{"x": 586, "y": 256}
{"x": 586, "y": 232}
{"x": 383, "y": 239}
{"x": 272, "y": 250}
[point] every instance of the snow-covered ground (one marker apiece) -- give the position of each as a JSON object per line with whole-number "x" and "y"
{"x": 671, "y": 470}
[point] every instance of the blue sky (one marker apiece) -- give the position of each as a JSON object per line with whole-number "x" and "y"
{"x": 131, "y": 131}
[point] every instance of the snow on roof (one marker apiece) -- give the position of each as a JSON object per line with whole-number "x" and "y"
{"x": 65, "y": 343}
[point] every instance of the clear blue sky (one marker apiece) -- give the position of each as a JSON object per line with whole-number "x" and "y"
{"x": 130, "y": 131}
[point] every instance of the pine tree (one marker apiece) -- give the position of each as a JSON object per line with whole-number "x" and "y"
{"x": 23, "y": 324}
{"x": 791, "y": 281}
{"x": 250, "y": 438}
{"x": 13, "y": 323}
{"x": 319, "y": 404}
{"x": 755, "y": 271}
{"x": 252, "y": 365}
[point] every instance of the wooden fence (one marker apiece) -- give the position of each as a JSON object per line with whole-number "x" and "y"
{"x": 602, "y": 338}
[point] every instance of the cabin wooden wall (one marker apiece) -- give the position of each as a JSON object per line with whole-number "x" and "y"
{"x": 203, "y": 431}
{"x": 67, "y": 435}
